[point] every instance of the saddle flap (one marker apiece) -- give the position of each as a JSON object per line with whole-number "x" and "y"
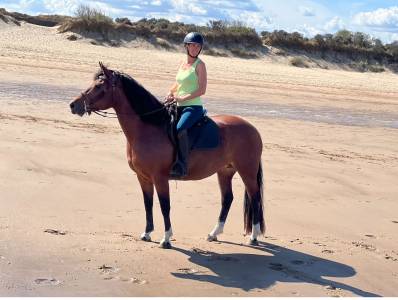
{"x": 204, "y": 134}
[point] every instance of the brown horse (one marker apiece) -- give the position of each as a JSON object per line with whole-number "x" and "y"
{"x": 150, "y": 153}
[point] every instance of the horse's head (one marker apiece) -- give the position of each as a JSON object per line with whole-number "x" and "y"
{"x": 99, "y": 96}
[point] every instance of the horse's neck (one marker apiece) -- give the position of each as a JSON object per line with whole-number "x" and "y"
{"x": 128, "y": 119}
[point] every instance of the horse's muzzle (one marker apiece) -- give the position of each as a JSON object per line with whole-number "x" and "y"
{"x": 77, "y": 107}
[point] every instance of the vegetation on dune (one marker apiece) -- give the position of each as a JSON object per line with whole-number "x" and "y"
{"x": 229, "y": 35}
{"x": 355, "y": 49}
{"x": 89, "y": 19}
{"x": 354, "y": 45}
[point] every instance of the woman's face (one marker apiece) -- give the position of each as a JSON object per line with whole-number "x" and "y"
{"x": 193, "y": 49}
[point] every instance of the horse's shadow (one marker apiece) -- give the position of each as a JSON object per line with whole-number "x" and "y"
{"x": 260, "y": 271}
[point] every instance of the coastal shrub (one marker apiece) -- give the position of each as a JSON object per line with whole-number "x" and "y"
{"x": 123, "y": 21}
{"x": 354, "y": 45}
{"x": 89, "y": 19}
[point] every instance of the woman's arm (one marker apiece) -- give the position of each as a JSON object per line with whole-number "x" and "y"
{"x": 173, "y": 89}
{"x": 202, "y": 84}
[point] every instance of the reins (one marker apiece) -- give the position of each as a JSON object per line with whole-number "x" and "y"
{"x": 107, "y": 114}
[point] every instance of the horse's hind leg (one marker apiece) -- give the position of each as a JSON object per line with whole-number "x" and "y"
{"x": 225, "y": 183}
{"x": 253, "y": 207}
{"x": 147, "y": 190}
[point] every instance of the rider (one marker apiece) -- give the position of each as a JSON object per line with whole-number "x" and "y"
{"x": 191, "y": 82}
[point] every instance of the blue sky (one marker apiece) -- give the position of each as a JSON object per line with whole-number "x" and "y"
{"x": 378, "y": 18}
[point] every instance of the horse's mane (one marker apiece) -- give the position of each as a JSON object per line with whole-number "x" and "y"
{"x": 146, "y": 105}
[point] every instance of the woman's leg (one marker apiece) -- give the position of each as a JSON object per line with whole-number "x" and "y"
{"x": 189, "y": 116}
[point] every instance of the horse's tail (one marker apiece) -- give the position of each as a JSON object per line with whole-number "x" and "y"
{"x": 257, "y": 200}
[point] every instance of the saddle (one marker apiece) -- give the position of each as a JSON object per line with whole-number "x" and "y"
{"x": 204, "y": 134}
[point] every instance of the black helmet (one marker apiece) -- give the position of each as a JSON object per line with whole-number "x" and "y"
{"x": 193, "y": 37}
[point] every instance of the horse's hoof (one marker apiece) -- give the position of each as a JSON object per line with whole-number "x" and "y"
{"x": 165, "y": 245}
{"x": 253, "y": 242}
{"x": 145, "y": 238}
{"x": 211, "y": 238}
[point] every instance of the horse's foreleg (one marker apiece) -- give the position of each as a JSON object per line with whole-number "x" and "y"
{"x": 225, "y": 183}
{"x": 162, "y": 188}
{"x": 147, "y": 190}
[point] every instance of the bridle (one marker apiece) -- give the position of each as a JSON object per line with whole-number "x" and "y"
{"x": 87, "y": 102}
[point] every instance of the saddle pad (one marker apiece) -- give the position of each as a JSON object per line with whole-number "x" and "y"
{"x": 204, "y": 134}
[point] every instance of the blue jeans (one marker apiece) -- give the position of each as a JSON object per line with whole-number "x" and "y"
{"x": 189, "y": 115}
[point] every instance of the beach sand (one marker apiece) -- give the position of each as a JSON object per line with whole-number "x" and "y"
{"x": 71, "y": 210}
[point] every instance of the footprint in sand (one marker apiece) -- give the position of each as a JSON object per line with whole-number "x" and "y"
{"x": 297, "y": 262}
{"x": 327, "y": 251}
{"x": 200, "y": 251}
{"x": 364, "y": 246}
{"x": 108, "y": 269}
{"x": 55, "y": 232}
{"x": 47, "y": 281}
{"x": 319, "y": 244}
{"x": 370, "y": 236}
{"x": 127, "y": 279}
{"x": 276, "y": 266}
{"x": 188, "y": 271}
{"x": 296, "y": 241}
{"x": 389, "y": 257}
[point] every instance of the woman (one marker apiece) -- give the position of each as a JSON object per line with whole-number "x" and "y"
{"x": 191, "y": 82}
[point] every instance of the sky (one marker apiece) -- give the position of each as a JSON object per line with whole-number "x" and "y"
{"x": 378, "y": 18}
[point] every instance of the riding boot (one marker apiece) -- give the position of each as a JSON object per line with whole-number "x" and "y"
{"x": 180, "y": 166}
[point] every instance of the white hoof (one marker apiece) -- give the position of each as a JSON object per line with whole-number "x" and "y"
{"x": 166, "y": 239}
{"x": 218, "y": 229}
{"x": 165, "y": 245}
{"x": 146, "y": 236}
{"x": 256, "y": 231}
{"x": 211, "y": 238}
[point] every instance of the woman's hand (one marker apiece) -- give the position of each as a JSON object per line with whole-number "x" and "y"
{"x": 180, "y": 98}
{"x": 169, "y": 98}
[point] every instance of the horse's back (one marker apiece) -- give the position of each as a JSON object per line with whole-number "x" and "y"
{"x": 238, "y": 134}
{"x": 236, "y": 125}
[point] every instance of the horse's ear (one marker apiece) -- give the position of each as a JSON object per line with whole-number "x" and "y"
{"x": 104, "y": 69}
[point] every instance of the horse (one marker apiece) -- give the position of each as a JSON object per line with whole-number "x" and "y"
{"x": 150, "y": 152}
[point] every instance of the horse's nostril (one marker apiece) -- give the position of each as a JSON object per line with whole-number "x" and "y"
{"x": 72, "y": 105}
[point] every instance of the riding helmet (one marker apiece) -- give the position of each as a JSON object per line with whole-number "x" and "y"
{"x": 193, "y": 37}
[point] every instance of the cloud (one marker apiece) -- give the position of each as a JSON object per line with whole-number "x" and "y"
{"x": 334, "y": 25}
{"x": 308, "y": 31}
{"x": 383, "y": 18}
{"x": 63, "y": 7}
{"x": 186, "y": 7}
{"x": 156, "y": 3}
{"x": 252, "y": 19}
{"x": 307, "y": 11}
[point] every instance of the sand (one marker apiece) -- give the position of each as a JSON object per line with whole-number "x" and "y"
{"x": 71, "y": 210}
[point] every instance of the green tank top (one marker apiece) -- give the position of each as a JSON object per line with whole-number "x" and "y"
{"x": 187, "y": 83}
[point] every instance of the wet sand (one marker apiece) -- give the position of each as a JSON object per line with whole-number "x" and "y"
{"x": 71, "y": 211}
